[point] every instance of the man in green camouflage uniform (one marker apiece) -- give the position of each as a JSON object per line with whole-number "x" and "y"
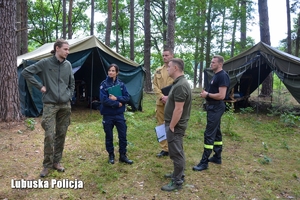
{"x": 57, "y": 87}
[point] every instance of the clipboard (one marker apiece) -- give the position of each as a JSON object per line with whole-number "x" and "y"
{"x": 115, "y": 90}
{"x": 166, "y": 90}
{"x": 161, "y": 132}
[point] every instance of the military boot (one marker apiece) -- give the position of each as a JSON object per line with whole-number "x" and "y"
{"x": 124, "y": 159}
{"x": 173, "y": 185}
{"x": 170, "y": 175}
{"x": 203, "y": 165}
{"x": 111, "y": 158}
{"x": 216, "y": 158}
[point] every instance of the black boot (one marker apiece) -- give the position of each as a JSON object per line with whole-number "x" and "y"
{"x": 111, "y": 158}
{"x": 217, "y": 156}
{"x": 203, "y": 165}
{"x": 124, "y": 159}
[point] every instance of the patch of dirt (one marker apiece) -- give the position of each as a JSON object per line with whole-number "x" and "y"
{"x": 21, "y": 156}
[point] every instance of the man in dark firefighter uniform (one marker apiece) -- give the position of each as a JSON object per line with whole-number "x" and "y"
{"x": 215, "y": 108}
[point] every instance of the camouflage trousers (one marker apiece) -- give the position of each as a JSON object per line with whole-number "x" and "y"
{"x": 55, "y": 122}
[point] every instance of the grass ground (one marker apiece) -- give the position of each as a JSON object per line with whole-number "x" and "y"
{"x": 261, "y": 158}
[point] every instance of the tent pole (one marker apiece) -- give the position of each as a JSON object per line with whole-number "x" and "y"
{"x": 102, "y": 62}
{"x": 258, "y": 81}
{"x": 91, "y": 97}
{"x": 279, "y": 93}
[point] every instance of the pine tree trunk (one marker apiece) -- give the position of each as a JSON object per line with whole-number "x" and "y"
{"x": 171, "y": 24}
{"x": 209, "y": 33}
{"x": 164, "y": 21}
{"x": 298, "y": 37}
{"x": 289, "y": 32}
{"x": 117, "y": 26}
{"x": 9, "y": 93}
{"x": 147, "y": 45}
{"x": 108, "y": 22}
{"x": 70, "y": 31}
{"x": 24, "y": 29}
{"x": 267, "y": 85}
{"x": 131, "y": 29}
{"x": 243, "y": 24}
{"x": 202, "y": 45}
{"x": 18, "y": 26}
{"x": 64, "y": 25}
{"x": 92, "y": 16}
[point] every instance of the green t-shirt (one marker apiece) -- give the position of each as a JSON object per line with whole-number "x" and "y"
{"x": 180, "y": 92}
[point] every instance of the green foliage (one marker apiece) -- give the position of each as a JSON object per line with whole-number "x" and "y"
{"x": 202, "y": 117}
{"x": 295, "y": 176}
{"x": 156, "y": 61}
{"x": 289, "y": 119}
{"x": 193, "y": 41}
{"x": 285, "y": 145}
{"x": 45, "y": 21}
{"x": 130, "y": 118}
{"x": 30, "y": 123}
{"x": 247, "y": 110}
{"x": 229, "y": 118}
{"x": 266, "y": 160}
{"x": 277, "y": 84}
{"x": 273, "y": 111}
{"x": 265, "y": 146}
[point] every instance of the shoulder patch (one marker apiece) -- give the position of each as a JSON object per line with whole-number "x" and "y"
{"x": 158, "y": 71}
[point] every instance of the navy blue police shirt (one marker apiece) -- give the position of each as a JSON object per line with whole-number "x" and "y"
{"x": 220, "y": 79}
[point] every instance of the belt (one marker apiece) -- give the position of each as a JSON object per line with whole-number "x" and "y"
{"x": 213, "y": 102}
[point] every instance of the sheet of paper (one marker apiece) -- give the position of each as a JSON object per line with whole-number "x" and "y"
{"x": 161, "y": 132}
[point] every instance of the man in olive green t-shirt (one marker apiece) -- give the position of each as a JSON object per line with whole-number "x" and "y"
{"x": 177, "y": 113}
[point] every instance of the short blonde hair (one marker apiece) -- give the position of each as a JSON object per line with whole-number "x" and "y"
{"x": 179, "y": 62}
{"x": 220, "y": 58}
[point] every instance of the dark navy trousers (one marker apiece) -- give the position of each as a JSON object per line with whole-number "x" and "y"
{"x": 109, "y": 121}
{"x": 213, "y": 130}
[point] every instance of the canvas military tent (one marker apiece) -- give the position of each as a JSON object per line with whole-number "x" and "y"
{"x": 250, "y": 68}
{"x": 89, "y": 58}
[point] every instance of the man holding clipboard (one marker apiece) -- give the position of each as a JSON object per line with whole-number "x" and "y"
{"x": 161, "y": 80}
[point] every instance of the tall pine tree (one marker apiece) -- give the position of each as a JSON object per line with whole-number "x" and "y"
{"x": 9, "y": 93}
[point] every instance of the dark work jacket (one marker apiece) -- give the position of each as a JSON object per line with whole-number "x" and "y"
{"x": 56, "y": 76}
{"x": 108, "y": 106}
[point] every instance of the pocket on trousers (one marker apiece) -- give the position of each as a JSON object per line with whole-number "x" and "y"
{"x": 170, "y": 134}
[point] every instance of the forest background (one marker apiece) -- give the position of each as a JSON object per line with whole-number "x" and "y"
{"x": 261, "y": 158}
{"x": 139, "y": 30}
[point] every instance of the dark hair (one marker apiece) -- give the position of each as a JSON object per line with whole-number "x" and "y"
{"x": 113, "y": 65}
{"x": 179, "y": 62}
{"x": 169, "y": 50}
{"x": 59, "y": 43}
{"x": 220, "y": 58}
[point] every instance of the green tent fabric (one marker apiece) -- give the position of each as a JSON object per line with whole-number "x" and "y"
{"x": 250, "y": 68}
{"x": 89, "y": 58}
